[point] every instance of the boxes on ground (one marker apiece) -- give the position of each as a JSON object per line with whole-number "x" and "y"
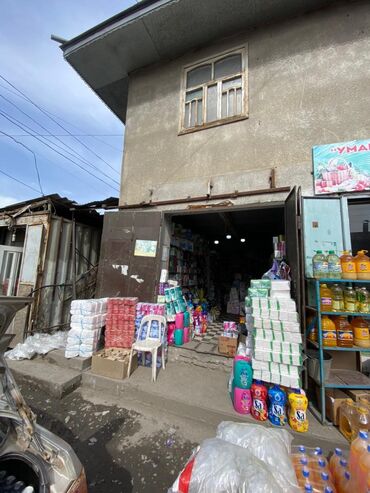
{"x": 112, "y": 363}
{"x": 227, "y": 345}
{"x": 333, "y": 400}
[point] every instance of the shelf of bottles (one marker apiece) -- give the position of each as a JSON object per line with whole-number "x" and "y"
{"x": 355, "y": 304}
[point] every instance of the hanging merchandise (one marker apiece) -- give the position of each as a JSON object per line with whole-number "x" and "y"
{"x": 329, "y": 332}
{"x": 362, "y": 265}
{"x": 298, "y": 404}
{"x": 348, "y": 266}
{"x": 326, "y": 298}
{"x": 334, "y": 265}
{"x": 320, "y": 265}
{"x": 277, "y": 406}
{"x": 259, "y": 401}
{"x": 361, "y": 332}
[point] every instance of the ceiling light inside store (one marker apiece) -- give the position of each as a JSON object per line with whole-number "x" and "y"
{"x": 242, "y": 240}
{"x": 216, "y": 242}
{"x": 228, "y": 237}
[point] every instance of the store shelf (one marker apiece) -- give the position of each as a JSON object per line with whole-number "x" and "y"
{"x": 324, "y": 280}
{"x": 344, "y": 314}
{"x": 341, "y": 379}
{"x": 336, "y": 348}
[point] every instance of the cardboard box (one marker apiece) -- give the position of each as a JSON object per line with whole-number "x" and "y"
{"x": 357, "y": 394}
{"x": 227, "y": 346}
{"x": 333, "y": 400}
{"x": 113, "y": 363}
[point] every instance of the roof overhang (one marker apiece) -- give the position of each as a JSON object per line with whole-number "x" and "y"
{"x": 157, "y": 30}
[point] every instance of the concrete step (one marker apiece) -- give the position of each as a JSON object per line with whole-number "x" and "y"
{"x": 201, "y": 354}
{"x": 54, "y": 380}
{"x": 57, "y": 357}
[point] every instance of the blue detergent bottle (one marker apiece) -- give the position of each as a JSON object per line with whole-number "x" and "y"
{"x": 277, "y": 406}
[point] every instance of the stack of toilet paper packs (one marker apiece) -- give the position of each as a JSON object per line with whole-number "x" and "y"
{"x": 277, "y": 356}
{"x": 87, "y": 319}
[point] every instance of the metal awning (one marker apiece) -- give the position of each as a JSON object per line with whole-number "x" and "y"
{"x": 159, "y": 30}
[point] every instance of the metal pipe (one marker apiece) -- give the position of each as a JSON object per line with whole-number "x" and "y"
{"x": 207, "y": 198}
{"x": 74, "y": 291}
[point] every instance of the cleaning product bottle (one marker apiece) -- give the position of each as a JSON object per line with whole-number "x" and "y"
{"x": 259, "y": 401}
{"x": 348, "y": 265}
{"x": 362, "y": 265}
{"x": 358, "y": 447}
{"x": 326, "y": 298}
{"x": 344, "y": 332}
{"x": 298, "y": 404}
{"x": 334, "y": 266}
{"x": 242, "y": 400}
{"x": 348, "y": 419}
{"x": 329, "y": 332}
{"x": 243, "y": 373}
{"x": 277, "y": 400}
{"x": 361, "y": 332}
{"x": 363, "y": 300}
{"x": 320, "y": 265}
{"x": 350, "y": 300}
{"x": 337, "y": 298}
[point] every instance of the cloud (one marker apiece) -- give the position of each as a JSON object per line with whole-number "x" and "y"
{"x": 5, "y": 201}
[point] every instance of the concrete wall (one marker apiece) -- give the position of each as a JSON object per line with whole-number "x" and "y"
{"x": 309, "y": 83}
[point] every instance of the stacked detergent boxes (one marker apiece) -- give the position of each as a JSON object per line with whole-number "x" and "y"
{"x": 277, "y": 356}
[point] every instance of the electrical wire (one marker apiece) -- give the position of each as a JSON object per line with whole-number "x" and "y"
{"x": 34, "y": 157}
{"x": 55, "y": 121}
{"x": 63, "y": 155}
{"x": 29, "y": 129}
{"x": 19, "y": 181}
{"x": 75, "y": 154}
{"x": 94, "y": 136}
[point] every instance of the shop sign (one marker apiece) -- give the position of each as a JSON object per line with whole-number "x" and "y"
{"x": 145, "y": 248}
{"x": 343, "y": 167}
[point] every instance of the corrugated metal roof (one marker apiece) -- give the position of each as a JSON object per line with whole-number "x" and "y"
{"x": 158, "y": 30}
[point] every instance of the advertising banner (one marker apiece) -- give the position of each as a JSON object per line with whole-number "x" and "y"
{"x": 342, "y": 167}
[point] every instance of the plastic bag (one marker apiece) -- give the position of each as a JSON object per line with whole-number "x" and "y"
{"x": 272, "y": 446}
{"x": 221, "y": 467}
{"x": 38, "y": 344}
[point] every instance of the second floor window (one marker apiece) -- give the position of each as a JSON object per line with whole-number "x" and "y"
{"x": 215, "y": 91}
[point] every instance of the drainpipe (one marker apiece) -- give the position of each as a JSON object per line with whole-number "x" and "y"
{"x": 74, "y": 293}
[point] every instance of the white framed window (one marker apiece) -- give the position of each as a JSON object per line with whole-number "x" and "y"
{"x": 214, "y": 91}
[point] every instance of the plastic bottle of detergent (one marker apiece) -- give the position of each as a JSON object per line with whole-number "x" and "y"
{"x": 277, "y": 406}
{"x": 298, "y": 404}
{"x": 259, "y": 401}
{"x": 362, "y": 265}
{"x": 320, "y": 265}
{"x": 334, "y": 266}
{"x": 242, "y": 400}
{"x": 243, "y": 373}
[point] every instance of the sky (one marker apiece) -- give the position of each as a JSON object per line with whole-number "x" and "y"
{"x": 34, "y": 66}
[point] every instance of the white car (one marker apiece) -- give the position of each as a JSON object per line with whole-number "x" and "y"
{"x": 32, "y": 459}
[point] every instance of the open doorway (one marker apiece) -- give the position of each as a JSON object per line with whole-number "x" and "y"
{"x": 11, "y": 250}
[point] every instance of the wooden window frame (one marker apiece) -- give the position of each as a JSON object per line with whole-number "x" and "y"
{"x": 244, "y": 86}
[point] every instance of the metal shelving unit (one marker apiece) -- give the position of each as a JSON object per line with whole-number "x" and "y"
{"x": 329, "y": 384}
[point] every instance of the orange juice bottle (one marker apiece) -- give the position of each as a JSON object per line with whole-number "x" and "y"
{"x": 329, "y": 332}
{"x": 362, "y": 265}
{"x": 326, "y": 298}
{"x": 348, "y": 266}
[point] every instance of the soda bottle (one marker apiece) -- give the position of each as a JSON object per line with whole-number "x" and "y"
{"x": 298, "y": 404}
{"x": 326, "y": 298}
{"x": 320, "y": 265}
{"x": 277, "y": 400}
{"x": 337, "y": 298}
{"x": 259, "y": 401}
{"x": 348, "y": 266}
{"x": 350, "y": 300}
{"x": 299, "y": 457}
{"x": 334, "y": 266}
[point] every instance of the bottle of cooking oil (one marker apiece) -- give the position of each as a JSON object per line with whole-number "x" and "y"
{"x": 363, "y": 300}
{"x": 348, "y": 265}
{"x": 337, "y": 298}
{"x": 329, "y": 332}
{"x": 344, "y": 332}
{"x": 348, "y": 419}
{"x": 319, "y": 265}
{"x": 326, "y": 298}
{"x": 362, "y": 265}
{"x": 350, "y": 300}
{"x": 334, "y": 266}
{"x": 361, "y": 332}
